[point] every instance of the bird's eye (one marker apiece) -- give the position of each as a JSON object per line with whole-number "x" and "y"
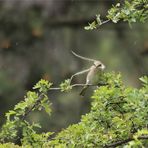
{"x": 99, "y": 65}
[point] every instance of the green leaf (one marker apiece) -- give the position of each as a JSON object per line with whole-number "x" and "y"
{"x": 11, "y": 112}
{"x": 91, "y": 26}
{"x": 144, "y": 79}
{"x": 98, "y": 19}
{"x": 65, "y": 86}
{"x": 46, "y": 105}
{"x": 43, "y": 86}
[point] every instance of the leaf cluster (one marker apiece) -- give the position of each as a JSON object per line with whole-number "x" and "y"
{"x": 130, "y": 11}
{"x": 117, "y": 114}
{"x": 66, "y": 86}
{"x": 16, "y": 118}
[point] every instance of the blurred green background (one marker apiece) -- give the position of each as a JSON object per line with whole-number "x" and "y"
{"x": 36, "y": 39}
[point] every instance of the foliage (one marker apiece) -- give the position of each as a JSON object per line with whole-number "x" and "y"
{"x": 16, "y": 118}
{"x": 131, "y": 11}
{"x": 117, "y": 114}
{"x": 9, "y": 145}
{"x": 65, "y": 86}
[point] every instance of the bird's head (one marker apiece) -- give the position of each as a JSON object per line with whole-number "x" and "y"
{"x": 99, "y": 65}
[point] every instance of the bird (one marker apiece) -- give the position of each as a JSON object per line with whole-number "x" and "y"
{"x": 93, "y": 76}
{"x": 93, "y": 73}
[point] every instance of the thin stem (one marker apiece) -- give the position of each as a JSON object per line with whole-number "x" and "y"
{"x": 76, "y": 85}
{"x": 105, "y": 22}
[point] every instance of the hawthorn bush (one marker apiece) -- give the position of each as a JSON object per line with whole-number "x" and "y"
{"x": 118, "y": 116}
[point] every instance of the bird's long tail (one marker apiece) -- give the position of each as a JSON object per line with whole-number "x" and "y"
{"x": 81, "y": 57}
{"x": 82, "y": 93}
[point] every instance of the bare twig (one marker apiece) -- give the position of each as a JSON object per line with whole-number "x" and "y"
{"x": 105, "y": 22}
{"x": 102, "y": 23}
{"x": 75, "y": 85}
